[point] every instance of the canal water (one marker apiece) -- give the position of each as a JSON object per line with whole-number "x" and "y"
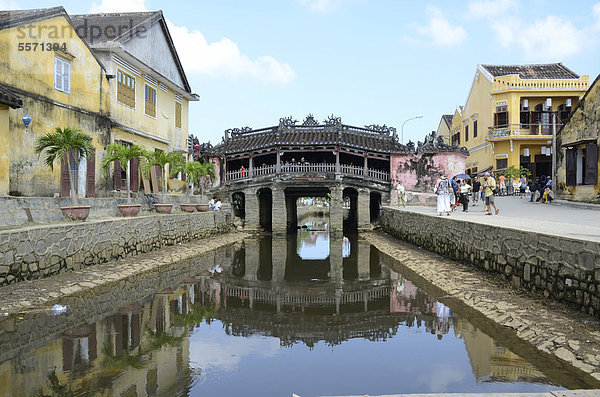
{"x": 307, "y": 314}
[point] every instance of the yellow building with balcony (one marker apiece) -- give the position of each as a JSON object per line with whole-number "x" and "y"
{"x": 509, "y": 115}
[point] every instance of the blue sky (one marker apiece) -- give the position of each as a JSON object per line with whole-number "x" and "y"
{"x": 367, "y": 61}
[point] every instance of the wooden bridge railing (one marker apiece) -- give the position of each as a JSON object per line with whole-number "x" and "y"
{"x": 318, "y": 168}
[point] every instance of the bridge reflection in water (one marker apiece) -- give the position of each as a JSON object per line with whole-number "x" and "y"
{"x": 362, "y": 321}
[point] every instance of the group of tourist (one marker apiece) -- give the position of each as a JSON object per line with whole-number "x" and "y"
{"x": 293, "y": 162}
{"x": 540, "y": 189}
{"x": 215, "y": 204}
{"x": 454, "y": 191}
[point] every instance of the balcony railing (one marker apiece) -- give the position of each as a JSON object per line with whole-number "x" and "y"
{"x": 515, "y": 130}
{"x": 318, "y": 168}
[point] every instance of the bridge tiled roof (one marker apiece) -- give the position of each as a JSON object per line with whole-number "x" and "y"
{"x": 317, "y": 136}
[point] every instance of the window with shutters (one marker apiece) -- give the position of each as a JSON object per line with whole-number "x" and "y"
{"x": 150, "y": 100}
{"x": 582, "y": 165}
{"x": 501, "y": 116}
{"x": 125, "y": 88}
{"x": 501, "y": 164}
{"x": 456, "y": 139}
{"x": 475, "y": 129}
{"x": 62, "y": 75}
{"x": 178, "y": 114}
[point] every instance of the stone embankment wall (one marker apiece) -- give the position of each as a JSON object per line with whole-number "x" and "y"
{"x": 15, "y": 211}
{"x": 565, "y": 269}
{"x": 40, "y": 251}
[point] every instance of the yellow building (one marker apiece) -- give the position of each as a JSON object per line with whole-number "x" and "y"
{"x": 507, "y": 119}
{"x": 150, "y": 93}
{"x": 577, "y": 162}
{"x": 117, "y": 77}
{"x": 444, "y": 127}
{"x": 61, "y": 84}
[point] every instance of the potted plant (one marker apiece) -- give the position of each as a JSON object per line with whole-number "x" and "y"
{"x": 123, "y": 154}
{"x": 161, "y": 159}
{"x": 208, "y": 174}
{"x": 16, "y": 170}
{"x": 67, "y": 145}
{"x": 192, "y": 170}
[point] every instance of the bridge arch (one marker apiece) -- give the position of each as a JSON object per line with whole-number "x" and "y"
{"x": 265, "y": 208}
{"x": 350, "y": 199}
{"x": 238, "y": 204}
{"x": 374, "y": 206}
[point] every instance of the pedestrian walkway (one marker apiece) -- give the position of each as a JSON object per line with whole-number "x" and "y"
{"x": 516, "y": 213}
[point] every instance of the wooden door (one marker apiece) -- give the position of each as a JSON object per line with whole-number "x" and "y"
{"x": 591, "y": 164}
{"x": 571, "y": 165}
{"x": 90, "y": 180}
{"x": 65, "y": 184}
{"x": 117, "y": 176}
{"x": 134, "y": 175}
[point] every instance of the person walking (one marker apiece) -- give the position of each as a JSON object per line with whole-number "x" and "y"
{"x": 465, "y": 188}
{"x": 489, "y": 184}
{"x": 455, "y": 190}
{"x": 476, "y": 188}
{"x": 443, "y": 189}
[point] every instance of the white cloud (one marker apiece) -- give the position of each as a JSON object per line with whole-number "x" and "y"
{"x": 224, "y": 57}
{"x": 9, "y": 5}
{"x": 548, "y": 39}
{"x": 220, "y": 58}
{"x": 119, "y": 6}
{"x": 440, "y": 31}
{"x": 490, "y": 8}
{"x": 321, "y": 6}
{"x": 552, "y": 38}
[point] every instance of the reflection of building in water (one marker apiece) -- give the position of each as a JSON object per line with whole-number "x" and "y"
{"x": 347, "y": 295}
{"x": 495, "y": 363}
{"x": 142, "y": 349}
{"x": 416, "y": 306}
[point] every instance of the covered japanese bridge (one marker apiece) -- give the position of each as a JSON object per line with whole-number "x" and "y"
{"x": 265, "y": 171}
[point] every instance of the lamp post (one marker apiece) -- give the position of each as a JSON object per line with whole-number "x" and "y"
{"x": 418, "y": 116}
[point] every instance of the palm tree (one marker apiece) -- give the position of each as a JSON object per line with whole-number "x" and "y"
{"x": 174, "y": 159}
{"x": 123, "y": 154}
{"x": 66, "y": 144}
{"x": 195, "y": 172}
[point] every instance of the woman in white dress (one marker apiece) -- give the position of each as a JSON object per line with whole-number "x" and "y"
{"x": 443, "y": 190}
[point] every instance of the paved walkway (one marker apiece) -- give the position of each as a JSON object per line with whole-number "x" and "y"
{"x": 555, "y": 219}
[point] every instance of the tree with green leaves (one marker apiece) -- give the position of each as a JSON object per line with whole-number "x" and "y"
{"x": 174, "y": 159}
{"x": 123, "y": 154}
{"x": 208, "y": 175}
{"x": 65, "y": 145}
{"x": 196, "y": 172}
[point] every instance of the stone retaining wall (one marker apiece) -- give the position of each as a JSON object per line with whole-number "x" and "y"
{"x": 565, "y": 269}
{"x": 40, "y": 251}
{"x": 16, "y": 211}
